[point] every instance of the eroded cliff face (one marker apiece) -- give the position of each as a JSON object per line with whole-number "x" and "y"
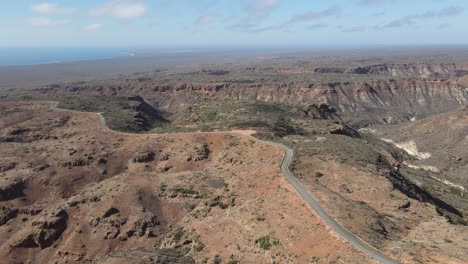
{"x": 412, "y": 94}
{"x": 439, "y": 147}
{"x": 379, "y": 101}
{"x": 414, "y": 70}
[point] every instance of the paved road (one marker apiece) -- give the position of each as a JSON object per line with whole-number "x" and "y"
{"x": 102, "y": 122}
{"x": 343, "y": 232}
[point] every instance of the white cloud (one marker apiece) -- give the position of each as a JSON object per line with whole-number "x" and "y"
{"x": 93, "y": 27}
{"x": 120, "y": 9}
{"x": 45, "y": 21}
{"x": 48, "y": 8}
{"x": 314, "y": 15}
{"x": 300, "y": 18}
{"x": 204, "y": 20}
{"x": 375, "y": 2}
{"x": 256, "y": 12}
{"x": 411, "y": 20}
{"x": 262, "y": 5}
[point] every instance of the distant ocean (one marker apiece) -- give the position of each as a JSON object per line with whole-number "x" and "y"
{"x": 14, "y": 56}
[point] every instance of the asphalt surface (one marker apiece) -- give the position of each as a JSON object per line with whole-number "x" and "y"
{"x": 102, "y": 122}
{"x": 306, "y": 196}
{"x": 343, "y": 232}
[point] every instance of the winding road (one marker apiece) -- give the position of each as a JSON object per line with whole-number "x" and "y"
{"x": 311, "y": 201}
{"x": 343, "y": 232}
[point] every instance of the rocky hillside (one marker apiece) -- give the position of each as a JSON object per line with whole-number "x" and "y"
{"x": 439, "y": 145}
{"x": 131, "y": 114}
{"x": 414, "y": 70}
{"x": 379, "y": 101}
{"x": 101, "y": 197}
{"x": 73, "y": 193}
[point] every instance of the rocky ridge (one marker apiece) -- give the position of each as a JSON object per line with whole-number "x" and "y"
{"x": 379, "y": 101}
{"x": 414, "y": 70}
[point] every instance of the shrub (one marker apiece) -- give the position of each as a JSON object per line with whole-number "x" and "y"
{"x": 275, "y": 242}
{"x": 190, "y": 206}
{"x": 234, "y": 142}
{"x": 199, "y": 246}
{"x": 179, "y": 234}
{"x": 217, "y": 259}
{"x": 260, "y": 218}
{"x": 318, "y": 174}
{"x": 185, "y": 190}
{"x": 264, "y": 242}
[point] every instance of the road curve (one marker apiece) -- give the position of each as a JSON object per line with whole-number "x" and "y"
{"x": 311, "y": 201}
{"x": 343, "y": 232}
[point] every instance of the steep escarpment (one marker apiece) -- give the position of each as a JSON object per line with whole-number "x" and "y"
{"x": 328, "y": 70}
{"x": 145, "y": 115}
{"x": 124, "y": 113}
{"x": 379, "y": 101}
{"x": 443, "y": 141}
{"x": 414, "y": 70}
{"x": 384, "y": 101}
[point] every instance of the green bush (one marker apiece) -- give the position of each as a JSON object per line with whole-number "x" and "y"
{"x": 260, "y": 218}
{"x": 264, "y": 242}
{"x": 217, "y": 259}
{"x": 185, "y": 190}
{"x": 199, "y": 246}
{"x": 190, "y": 206}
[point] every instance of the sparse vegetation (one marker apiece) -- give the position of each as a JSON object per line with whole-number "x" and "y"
{"x": 199, "y": 246}
{"x": 18, "y": 131}
{"x": 234, "y": 142}
{"x": 122, "y": 113}
{"x": 260, "y": 218}
{"x": 206, "y": 195}
{"x": 183, "y": 190}
{"x": 286, "y": 122}
{"x": 190, "y": 206}
{"x": 266, "y": 242}
{"x": 179, "y": 233}
{"x": 217, "y": 259}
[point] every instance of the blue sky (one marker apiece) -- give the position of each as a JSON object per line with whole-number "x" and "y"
{"x": 233, "y": 22}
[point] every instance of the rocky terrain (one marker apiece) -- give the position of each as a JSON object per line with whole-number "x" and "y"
{"x": 414, "y": 70}
{"x": 359, "y": 103}
{"x": 366, "y": 186}
{"x": 129, "y": 114}
{"x": 438, "y": 145}
{"x": 385, "y": 154}
{"x": 73, "y": 193}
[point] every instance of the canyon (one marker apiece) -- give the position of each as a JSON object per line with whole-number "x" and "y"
{"x": 359, "y": 103}
{"x": 382, "y": 148}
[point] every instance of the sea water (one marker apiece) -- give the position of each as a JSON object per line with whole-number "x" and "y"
{"x": 14, "y": 56}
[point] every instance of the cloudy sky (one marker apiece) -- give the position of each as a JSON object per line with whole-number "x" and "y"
{"x": 232, "y": 22}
